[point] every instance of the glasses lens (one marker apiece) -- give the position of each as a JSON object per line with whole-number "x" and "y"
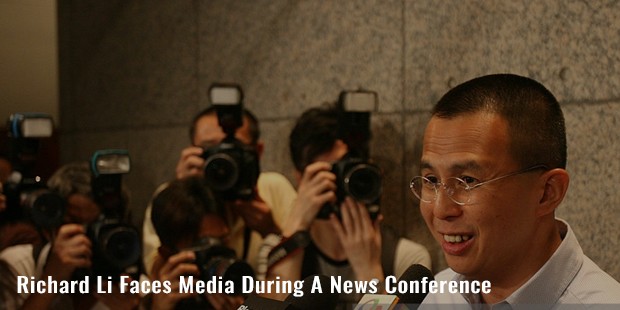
{"x": 457, "y": 190}
{"x": 423, "y": 188}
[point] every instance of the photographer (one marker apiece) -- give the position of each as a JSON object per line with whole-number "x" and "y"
{"x": 185, "y": 216}
{"x": 249, "y": 219}
{"x": 68, "y": 248}
{"x": 351, "y": 245}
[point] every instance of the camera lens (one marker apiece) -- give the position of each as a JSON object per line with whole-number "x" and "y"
{"x": 48, "y": 210}
{"x": 363, "y": 183}
{"x": 121, "y": 246}
{"x": 221, "y": 171}
{"x": 229, "y": 269}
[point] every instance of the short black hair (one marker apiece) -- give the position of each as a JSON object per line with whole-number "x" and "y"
{"x": 535, "y": 120}
{"x": 254, "y": 127}
{"x": 314, "y": 133}
{"x": 178, "y": 210}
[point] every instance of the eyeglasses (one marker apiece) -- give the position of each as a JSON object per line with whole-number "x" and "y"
{"x": 458, "y": 189}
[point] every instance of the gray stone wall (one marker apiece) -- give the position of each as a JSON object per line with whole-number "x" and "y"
{"x": 134, "y": 72}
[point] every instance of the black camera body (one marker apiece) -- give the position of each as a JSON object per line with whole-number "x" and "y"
{"x": 115, "y": 246}
{"x": 359, "y": 180}
{"x": 231, "y": 169}
{"x": 45, "y": 208}
{"x": 356, "y": 177}
{"x": 215, "y": 260}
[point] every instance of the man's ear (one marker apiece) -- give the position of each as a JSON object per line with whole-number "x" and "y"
{"x": 555, "y": 187}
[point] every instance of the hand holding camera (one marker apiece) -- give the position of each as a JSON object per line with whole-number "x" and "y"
{"x": 190, "y": 163}
{"x": 316, "y": 188}
{"x": 71, "y": 250}
{"x": 177, "y": 265}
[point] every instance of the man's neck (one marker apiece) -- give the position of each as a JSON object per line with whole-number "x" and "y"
{"x": 505, "y": 285}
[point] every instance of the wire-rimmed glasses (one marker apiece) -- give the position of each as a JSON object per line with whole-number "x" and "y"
{"x": 457, "y": 189}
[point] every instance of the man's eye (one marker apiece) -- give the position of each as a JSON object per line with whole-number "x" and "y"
{"x": 470, "y": 180}
{"x": 432, "y": 179}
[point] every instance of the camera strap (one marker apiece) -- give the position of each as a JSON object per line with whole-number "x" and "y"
{"x": 298, "y": 240}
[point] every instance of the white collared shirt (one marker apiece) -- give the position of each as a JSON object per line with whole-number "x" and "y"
{"x": 568, "y": 279}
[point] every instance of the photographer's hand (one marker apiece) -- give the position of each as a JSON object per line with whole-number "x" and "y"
{"x": 316, "y": 187}
{"x": 360, "y": 238}
{"x": 257, "y": 215}
{"x": 190, "y": 163}
{"x": 176, "y": 266}
{"x": 71, "y": 250}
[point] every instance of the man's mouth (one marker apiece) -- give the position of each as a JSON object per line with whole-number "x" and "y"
{"x": 456, "y": 238}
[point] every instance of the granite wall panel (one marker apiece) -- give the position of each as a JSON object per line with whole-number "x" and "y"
{"x": 136, "y": 69}
{"x": 290, "y": 56}
{"x": 592, "y": 204}
{"x": 569, "y": 46}
{"x": 134, "y": 72}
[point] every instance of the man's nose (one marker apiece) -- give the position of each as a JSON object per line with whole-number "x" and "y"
{"x": 444, "y": 206}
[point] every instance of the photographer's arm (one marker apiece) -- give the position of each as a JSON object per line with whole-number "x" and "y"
{"x": 71, "y": 249}
{"x": 316, "y": 188}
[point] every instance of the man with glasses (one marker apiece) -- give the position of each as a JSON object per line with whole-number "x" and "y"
{"x": 492, "y": 174}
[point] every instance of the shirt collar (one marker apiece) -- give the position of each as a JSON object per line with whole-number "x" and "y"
{"x": 552, "y": 279}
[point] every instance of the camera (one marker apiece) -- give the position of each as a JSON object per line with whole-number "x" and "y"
{"x": 45, "y": 208}
{"x": 359, "y": 180}
{"x": 356, "y": 177}
{"x": 107, "y": 167}
{"x": 231, "y": 167}
{"x": 26, "y": 131}
{"x": 115, "y": 246}
{"x": 215, "y": 260}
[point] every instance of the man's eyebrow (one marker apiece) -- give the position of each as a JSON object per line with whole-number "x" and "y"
{"x": 426, "y": 165}
{"x": 457, "y": 167}
{"x": 468, "y": 165}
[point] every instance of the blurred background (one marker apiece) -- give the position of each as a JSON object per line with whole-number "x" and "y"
{"x": 132, "y": 73}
